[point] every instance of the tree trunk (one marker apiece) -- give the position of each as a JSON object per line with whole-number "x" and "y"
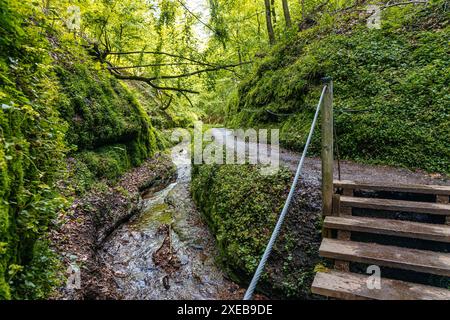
{"x": 287, "y": 14}
{"x": 303, "y": 10}
{"x": 259, "y": 24}
{"x": 274, "y": 12}
{"x": 269, "y": 23}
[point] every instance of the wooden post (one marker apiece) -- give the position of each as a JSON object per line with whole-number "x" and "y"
{"x": 327, "y": 149}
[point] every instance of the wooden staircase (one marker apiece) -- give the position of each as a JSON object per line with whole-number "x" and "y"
{"x": 364, "y": 215}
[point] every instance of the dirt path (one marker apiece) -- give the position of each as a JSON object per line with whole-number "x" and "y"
{"x": 349, "y": 170}
{"x": 363, "y": 172}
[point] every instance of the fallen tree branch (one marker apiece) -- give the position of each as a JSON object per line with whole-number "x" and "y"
{"x": 154, "y": 86}
{"x": 152, "y": 65}
{"x": 163, "y": 53}
{"x": 190, "y": 74}
{"x": 149, "y": 80}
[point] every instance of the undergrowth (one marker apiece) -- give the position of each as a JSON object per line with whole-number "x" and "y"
{"x": 392, "y": 104}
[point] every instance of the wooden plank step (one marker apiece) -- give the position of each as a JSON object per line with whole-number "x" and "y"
{"x": 410, "y": 188}
{"x": 352, "y": 286}
{"x": 407, "y": 229}
{"x": 388, "y": 256}
{"x": 396, "y": 205}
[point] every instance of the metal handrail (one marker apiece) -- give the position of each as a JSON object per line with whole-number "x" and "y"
{"x": 276, "y": 230}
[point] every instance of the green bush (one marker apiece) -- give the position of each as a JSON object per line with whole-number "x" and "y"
{"x": 31, "y": 152}
{"x": 100, "y": 109}
{"x": 241, "y": 207}
{"x": 108, "y": 162}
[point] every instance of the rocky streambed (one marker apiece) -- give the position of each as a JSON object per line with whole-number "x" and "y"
{"x": 166, "y": 251}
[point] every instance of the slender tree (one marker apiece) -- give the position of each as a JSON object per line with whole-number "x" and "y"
{"x": 274, "y": 12}
{"x": 303, "y": 9}
{"x": 270, "y": 30}
{"x": 287, "y": 14}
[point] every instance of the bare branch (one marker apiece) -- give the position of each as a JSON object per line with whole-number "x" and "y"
{"x": 196, "y": 16}
{"x": 152, "y": 65}
{"x": 187, "y": 98}
{"x": 169, "y": 103}
{"x": 388, "y": 5}
{"x": 149, "y": 81}
{"x": 163, "y": 53}
{"x": 190, "y": 74}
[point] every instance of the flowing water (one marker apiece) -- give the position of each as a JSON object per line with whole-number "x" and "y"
{"x": 152, "y": 261}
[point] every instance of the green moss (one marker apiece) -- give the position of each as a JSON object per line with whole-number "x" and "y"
{"x": 39, "y": 277}
{"x": 103, "y": 112}
{"x": 160, "y": 213}
{"x": 109, "y": 128}
{"x": 241, "y": 207}
{"x": 4, "y": 225}
{"x": 107, "y": 162}
{"x": 31, "y": 151}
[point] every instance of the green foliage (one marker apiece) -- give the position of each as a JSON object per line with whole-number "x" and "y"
{"x": 101, "y": 110}
{"x": 38, "y": 278}
{"x": 396, "y": 77}
{"x": 31, "y": 150}
{"x": 177, "y": 115}
{"x": 241, "y": 207}
{"x": 108, "y": 162}
{"x": 54, "y": 101}
{"x": 109, "y": 130}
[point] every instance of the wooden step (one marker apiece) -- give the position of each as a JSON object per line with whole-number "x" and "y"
{"x": 396, "y": 205}
{"x": 407, "y": 229}
{"x": 388, "y": 256}
{"x": 409, "y": 188}
{"x": 352, "y": 286}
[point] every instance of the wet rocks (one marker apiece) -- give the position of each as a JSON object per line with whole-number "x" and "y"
{"x": 165, "y": 257}
{"x": 154, "y": 253}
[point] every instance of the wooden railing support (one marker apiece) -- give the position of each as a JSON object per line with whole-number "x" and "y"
{"x": 327, "y": 149}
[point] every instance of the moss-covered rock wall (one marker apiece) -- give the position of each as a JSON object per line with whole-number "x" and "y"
{"x": 55, "y": 102}
{"x": 241, "y": 207}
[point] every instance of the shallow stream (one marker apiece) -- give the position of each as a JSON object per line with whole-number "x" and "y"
{"x": 151, "y": 260}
